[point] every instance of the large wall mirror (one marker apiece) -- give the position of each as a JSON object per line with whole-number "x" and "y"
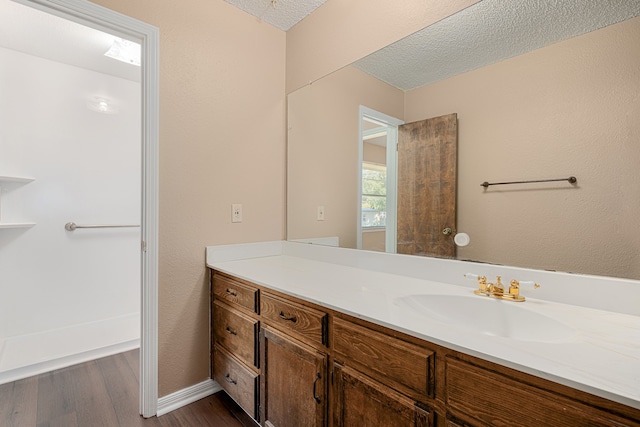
{"x": 540, "y": 91}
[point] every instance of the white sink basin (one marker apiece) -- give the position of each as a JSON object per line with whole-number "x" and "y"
{"x": 488, "y": 316}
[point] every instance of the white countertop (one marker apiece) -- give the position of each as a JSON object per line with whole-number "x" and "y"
{"x": 601, "y": 356}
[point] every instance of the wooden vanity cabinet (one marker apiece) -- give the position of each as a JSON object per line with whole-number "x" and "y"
{"x": 361, "y": 401}
{"x": 241, "y": 383}
{"x": 480, "y": 396}
{"x": 235, "y": 292}
{"x": 290, "y": 363}
{"x": 380, "y": 377}
{"x": 302, "y": 321}
{"x": 294, "y": 382}
{"x": 235, "y": 327}
{"x": 270, "y": 353}
{"x": 293, "y": 347}
{"x": 236, "y": 332}
{"x": 402, "y": 365}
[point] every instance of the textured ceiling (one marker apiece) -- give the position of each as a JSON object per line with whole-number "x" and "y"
{"x": 488, "y": 32}
{"x": 282, "y": 14}
{"x": 485, "y": 33}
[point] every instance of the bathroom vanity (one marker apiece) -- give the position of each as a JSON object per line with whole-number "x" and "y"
{"x": 304, "y": 335}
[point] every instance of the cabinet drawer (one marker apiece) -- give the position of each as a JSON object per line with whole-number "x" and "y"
{"x": 235, "y": 293}
{"x": 237, "y": 332}
{"x": 497, "y": 400}
{"x": 308, "y": 322}
{"x": 390, "y": 360}
{"x": 240, "y": 383}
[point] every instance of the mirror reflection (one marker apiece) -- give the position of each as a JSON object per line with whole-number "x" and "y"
{"x": 566, "y": 107}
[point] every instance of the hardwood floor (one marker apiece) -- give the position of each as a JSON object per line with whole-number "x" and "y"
{"x": 101, "y": 392}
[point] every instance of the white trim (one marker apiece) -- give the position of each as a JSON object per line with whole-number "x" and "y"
{"x": 391, "y": 230}
{"x": 65, "y": 361}
{"x": 95, "y": 16}
{"x": 186, "y": 396}
{"x": 67, "y": 345}
{"x": 392, "y": 124}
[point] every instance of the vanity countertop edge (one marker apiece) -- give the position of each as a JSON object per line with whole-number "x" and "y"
{"x": 601, "y": 358}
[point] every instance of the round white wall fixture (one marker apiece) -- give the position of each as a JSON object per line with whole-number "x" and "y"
{"x": 461, "y": 239}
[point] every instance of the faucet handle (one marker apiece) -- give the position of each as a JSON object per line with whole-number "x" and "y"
{"x": 528, "y": 284}
{"x": 482, "y": 282}
{"x": 514, "y": 288}
{"x": 480, "y": 279}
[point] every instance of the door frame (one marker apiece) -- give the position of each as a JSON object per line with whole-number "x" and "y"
{"x": 392, "y": 124}
{"x": 103, "y": 19}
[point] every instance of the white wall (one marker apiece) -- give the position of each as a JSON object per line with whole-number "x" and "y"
{"x": 87, "y": 169}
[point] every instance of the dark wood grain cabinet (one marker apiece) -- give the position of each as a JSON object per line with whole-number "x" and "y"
{"x": 235, "y": 330}
{"x": 289, "y": 362}
{"x": 294, "y": 382}
{"x": 298, "y": 320}
{"x": 482, "y": 397}
{"x": 361, "y": 401}
{"x": 402, "y": 365}
{"x": 241, "y": 383}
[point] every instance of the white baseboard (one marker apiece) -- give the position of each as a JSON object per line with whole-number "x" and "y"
{"x": 186, "y": 396}
{"x": 63, "y": 362}
{"x": 26, "y": 355}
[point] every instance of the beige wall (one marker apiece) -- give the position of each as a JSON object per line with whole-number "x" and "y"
{"x": 343, "y": 31}
{"x": 323, "y": 151}
{"x": 569, "y": 109}
{"x": 220, "y": 70}
{"x": 375, "y": 153}
{"x": 374, "y": 240}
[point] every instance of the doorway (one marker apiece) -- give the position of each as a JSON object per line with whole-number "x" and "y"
{"x": 377, "y": 181}
{"x": 31, "y": 199}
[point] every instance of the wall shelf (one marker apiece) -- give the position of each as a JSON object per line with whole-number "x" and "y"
{"x": 4, "y": 181}
{"x": 22, "y": 179}
{"x": 17, "y": 224}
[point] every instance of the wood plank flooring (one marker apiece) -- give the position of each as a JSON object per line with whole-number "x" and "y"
{"x": 102, "y": 392}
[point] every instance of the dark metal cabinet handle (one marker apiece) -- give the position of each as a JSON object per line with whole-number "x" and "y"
{"x": 315, "y": 382}
{"x": 228, "y": 379}
{"x": 232, "y": 292}
{"x": 231, "y": 331}
{"x": 287, "y": 317}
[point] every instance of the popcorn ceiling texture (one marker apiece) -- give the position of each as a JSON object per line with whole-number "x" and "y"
{"x": 282, "y": 14}
{"x": 488, "y": 32}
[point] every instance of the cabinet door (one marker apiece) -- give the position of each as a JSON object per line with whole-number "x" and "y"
{"x": 293, "y": 386}
{"x": 361, "y": 401}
